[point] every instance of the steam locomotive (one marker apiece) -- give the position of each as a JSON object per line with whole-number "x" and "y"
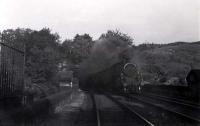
{"x": 120, "y": 77}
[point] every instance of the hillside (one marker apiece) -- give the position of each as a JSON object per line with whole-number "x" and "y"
{"x": 166, "y": 64}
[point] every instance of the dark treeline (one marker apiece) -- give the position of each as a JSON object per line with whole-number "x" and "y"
{"x": 46, "y": 54}
{"x": 41, "y": 53}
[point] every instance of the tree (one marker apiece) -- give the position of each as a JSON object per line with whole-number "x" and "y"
{"x": 78, "y": 49}
{"x": 118, "y": 38}
{"x": 41, "y": 51}
{"x": 43, "y": 56}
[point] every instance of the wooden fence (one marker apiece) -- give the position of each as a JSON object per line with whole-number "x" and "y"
{"x": 11, "y": 71}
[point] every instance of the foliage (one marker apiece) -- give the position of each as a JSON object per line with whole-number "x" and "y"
{"x": 78, "y": 49}
{"x": 41, "y": 50}
{"x": 165, "y": 62}
{"x": 118, "y": 38}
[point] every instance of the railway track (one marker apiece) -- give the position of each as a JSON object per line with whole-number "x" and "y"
{"x": 174, "y": 100}
{"x": 183, "y": 110}
{"x": 136, "y": 118}
{"x": 96, "y": 110}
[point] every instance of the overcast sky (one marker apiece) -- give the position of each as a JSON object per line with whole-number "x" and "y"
{"x": 159, "y": 21}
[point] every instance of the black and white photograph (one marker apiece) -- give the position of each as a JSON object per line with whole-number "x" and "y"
{"x": 99, "y": 63}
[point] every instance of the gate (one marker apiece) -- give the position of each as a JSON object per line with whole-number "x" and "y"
{"x": 11, "y": 71}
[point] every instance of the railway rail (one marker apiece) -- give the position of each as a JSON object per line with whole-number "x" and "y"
{"x": 130, "y": 111}
{"x": 96, "y": 110}
{"x": 173, "y": 100}
{"x": 191, "y": 114}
